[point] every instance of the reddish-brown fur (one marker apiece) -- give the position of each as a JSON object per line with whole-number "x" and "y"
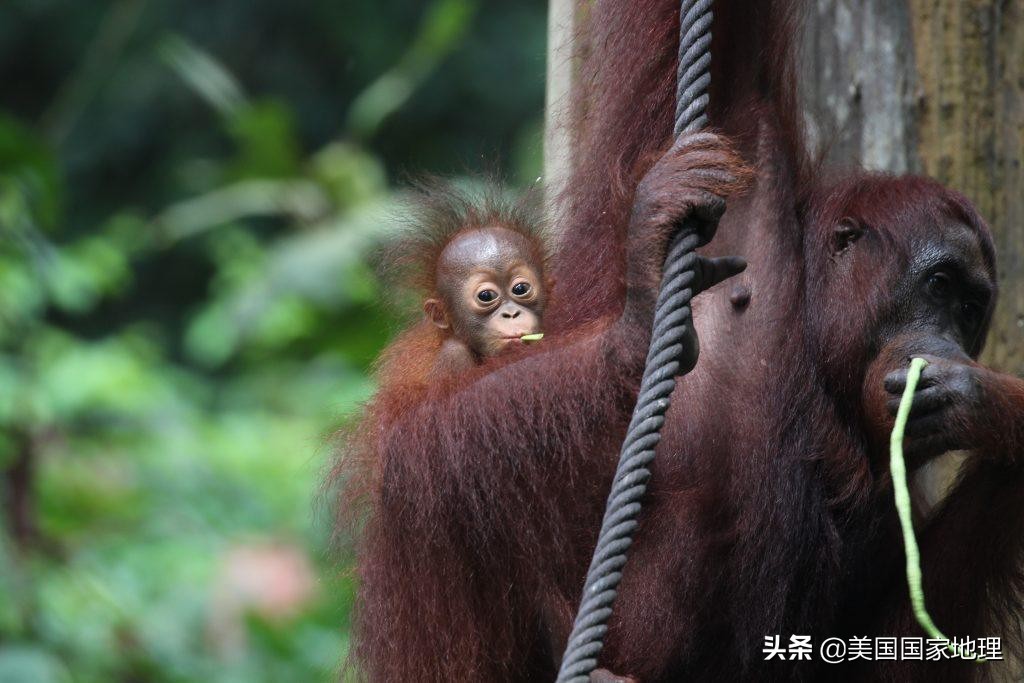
{"x": 770, "y": 510}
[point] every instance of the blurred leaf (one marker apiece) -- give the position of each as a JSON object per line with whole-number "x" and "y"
{"x": 327, "y": 262}
{"x": 213, "y": 336}
{"x": 27, "y": 162}
{"x": 325, "y": 265}
{"x": 91, "y": 495}
{"x": 299, "y": 199}
{"x": 75, "y": 379}
{"x": 265, "y": 134}
{"x": 351, "y": 175}
{"x": 28, "y": 664}
{"x": 203, "y": 73}
{"x": 21, "y": 297}
{"x": 70, "y": 282}
{"x": 445, "y": 23}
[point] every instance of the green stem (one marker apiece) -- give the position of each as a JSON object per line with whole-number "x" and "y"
{"x": 898, "y": 467}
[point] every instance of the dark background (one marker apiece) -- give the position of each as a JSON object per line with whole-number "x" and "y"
{"x": 189, "y": 192}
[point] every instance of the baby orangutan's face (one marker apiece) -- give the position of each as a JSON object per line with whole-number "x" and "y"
{"x": 492, "y": 288}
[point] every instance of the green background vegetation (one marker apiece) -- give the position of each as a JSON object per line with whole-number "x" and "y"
{"x": 189, "y": 191}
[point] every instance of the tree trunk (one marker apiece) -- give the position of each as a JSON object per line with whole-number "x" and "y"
{"x": 558, "y": 137}
{"x": 933, "y": 87}
{"x": 17, "y": 493}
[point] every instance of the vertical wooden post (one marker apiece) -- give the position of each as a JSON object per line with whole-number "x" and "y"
{"x": 558, "y": 134}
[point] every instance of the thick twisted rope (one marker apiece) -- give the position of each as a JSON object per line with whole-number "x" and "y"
{"x": 672, "y": 322}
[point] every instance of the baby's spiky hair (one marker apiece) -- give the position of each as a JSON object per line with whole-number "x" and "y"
{"x": 434, "y": 211}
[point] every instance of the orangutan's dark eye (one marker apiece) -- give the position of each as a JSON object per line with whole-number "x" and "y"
{"x": 939, "y": 286}
{"x": 521, "y": 288}
{"x": 486, "y": 295}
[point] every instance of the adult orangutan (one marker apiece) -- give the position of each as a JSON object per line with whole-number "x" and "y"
{"x": 770, "y": 508}
{"x": 427, "y": 553}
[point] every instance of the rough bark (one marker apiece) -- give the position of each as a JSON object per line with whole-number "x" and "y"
{"x": 858, "y": 83}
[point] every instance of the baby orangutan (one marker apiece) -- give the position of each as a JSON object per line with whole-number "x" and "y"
{"x": 490, "y": 293}
{"x": 479, "y": 263}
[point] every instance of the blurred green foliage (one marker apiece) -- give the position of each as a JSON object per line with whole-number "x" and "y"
{"x": 189, "y": 192}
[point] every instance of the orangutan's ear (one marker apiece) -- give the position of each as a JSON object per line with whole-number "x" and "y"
{"x": 435, "y": 312}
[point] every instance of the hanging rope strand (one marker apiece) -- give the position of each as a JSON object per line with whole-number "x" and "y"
{"x": 693, "y": 73}
{"x": 672, "y": 321}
